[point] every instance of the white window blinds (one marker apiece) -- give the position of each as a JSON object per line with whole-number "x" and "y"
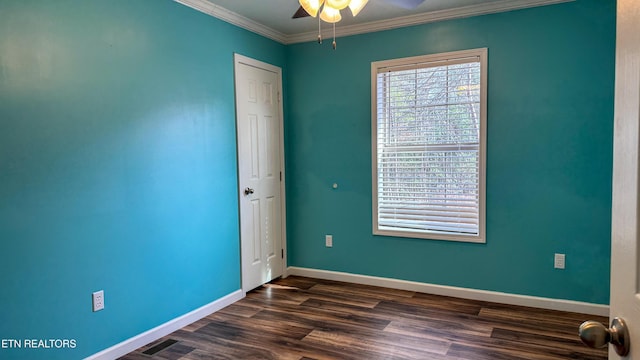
{"x": 429, "y": 148}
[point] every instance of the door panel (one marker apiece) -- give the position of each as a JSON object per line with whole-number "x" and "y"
{"x": 254, "y": 222}
{"x": 259, "y": 167}
{"x": 270, "y": 216}
{"x": 255, "y": 151}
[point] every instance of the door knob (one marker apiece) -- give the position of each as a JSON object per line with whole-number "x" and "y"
{"x": 248, "y": 191}
{"x": 596, "y": 335}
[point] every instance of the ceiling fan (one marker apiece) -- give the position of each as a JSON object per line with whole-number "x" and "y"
{"x": 405, "y": 4}
{"x": 330, "y": 10}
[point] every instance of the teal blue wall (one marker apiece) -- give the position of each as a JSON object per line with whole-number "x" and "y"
{"x": 117, "y": 167}
{"x": 550, "y": 125}
{"x": 117, "y": 161}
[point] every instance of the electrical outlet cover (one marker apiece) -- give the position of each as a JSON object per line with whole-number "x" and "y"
{"x": 98, "y": 300}
{"x": 328, "y": 240}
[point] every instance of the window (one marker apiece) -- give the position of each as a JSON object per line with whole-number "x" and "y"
{"x": 429, "y": 141}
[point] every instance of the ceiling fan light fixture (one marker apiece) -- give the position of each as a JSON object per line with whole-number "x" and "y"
{"x": 330, "y": 12}
{"x": 338, "y": 4}
{"x": 356, "y": 6}
{"x": 311, "y": 6}
{"x": 330, "y": 15}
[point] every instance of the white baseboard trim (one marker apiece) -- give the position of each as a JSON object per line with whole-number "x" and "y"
{"x": 167, "y": 328}
{"x": 473, "y": 294}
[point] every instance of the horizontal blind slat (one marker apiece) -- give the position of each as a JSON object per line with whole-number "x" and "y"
{"x": 428, "y": 146}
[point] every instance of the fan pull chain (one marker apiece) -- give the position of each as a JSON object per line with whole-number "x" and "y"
{"x": 334, "y": 36}
{"x": 319, "y": 32}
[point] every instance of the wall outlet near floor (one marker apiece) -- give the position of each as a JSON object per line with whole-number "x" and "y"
{"x": 328, "y": 240}
{"x": 558, "y": 261}
{"x": 98, "y": 300}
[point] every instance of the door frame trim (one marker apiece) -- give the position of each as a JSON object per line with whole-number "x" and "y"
{"x": 241, "y": 59}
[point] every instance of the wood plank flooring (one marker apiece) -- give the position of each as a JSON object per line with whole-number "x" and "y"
{"x": 303, "y": 318}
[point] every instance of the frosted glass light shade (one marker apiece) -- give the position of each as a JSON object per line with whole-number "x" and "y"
{"x": 356, "y": 6}
{"x": 311, "y": 6}
{"x": 338, "y": 4}
{"x": 330, "y": 14}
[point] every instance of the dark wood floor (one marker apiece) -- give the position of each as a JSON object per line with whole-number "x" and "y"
{"x": 303, "y": 318}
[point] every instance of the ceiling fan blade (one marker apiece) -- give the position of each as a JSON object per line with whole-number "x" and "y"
{"x": 300, "y": 13}
{"x": 405, "y": 4}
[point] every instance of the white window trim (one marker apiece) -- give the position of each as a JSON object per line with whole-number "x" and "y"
{"x": 403, "y": 62}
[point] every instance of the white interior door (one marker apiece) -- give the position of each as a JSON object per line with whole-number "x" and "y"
{"x": 625, "y": 279}
{"x": 259, "y": 127}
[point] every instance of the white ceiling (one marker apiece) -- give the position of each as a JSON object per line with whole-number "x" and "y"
{"x": 272, "y": 18}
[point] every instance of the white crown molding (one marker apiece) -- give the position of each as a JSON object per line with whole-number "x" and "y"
{"x": 464, "y": 293}
{"x": 235, "y": 19}
{"x": 423, "y": 18}
{"x": 417, "y": 19}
